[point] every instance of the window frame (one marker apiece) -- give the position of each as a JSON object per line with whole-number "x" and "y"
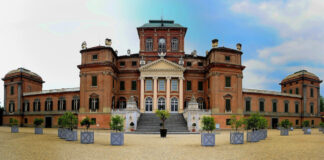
{"x": 122, "y": 85}
{"x": 161, "y": 86}
{"x": 94, "y": 81}
{"x": 228, "y": 82}
{"x": 200, "y": 86}
{"x": 189, "y": 86}
{"x": 147, "y": 84}
{"x": 134, "y": 85}
{"x": 174, "y": 87}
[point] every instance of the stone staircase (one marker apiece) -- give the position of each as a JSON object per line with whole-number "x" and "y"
{"x": 150, "y": 123}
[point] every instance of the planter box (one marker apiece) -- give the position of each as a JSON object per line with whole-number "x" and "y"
{"x": 320, "y": 129}
{"x": 237, "y": 137}
{"x": 163, "y": 133}
{"x": 59, "y": 132}
{"x": 71, "y": 135}
{"x": 38, "y": 130}
{"x": 252, "y": 136}
{"x": 307, "y": 131}
{"x": 87, "y": 137}
{"x": 63, "y": 133}
{"x": 284, "y": 132}
{"x": 263, "y": 134}
{"x": 208, "y": 139}
{"x": 117, "y": 139}
{"x": 14, "y": 129}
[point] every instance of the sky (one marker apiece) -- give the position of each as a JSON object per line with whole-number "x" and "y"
{"x": 278, "y": 37}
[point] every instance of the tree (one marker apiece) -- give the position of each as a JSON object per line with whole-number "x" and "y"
{"x": 285, "y": 124}
{"x": 117, "y": 123}
{"x": 38, "y": 122}
{"x": 322, "y": 103}
{"x": 70, "y": 120}
{"x": 87, "y": 122}
{"x": 236, "y": 123}
{"x": 208, "y": 123}
{"x": 163, "y": 115}
{"x": 253, "y": 122}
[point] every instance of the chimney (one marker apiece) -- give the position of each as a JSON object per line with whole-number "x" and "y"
{"x": 239, "y": 46}
{"x": 214, "y": 43}
{"x": 108, "y": 42}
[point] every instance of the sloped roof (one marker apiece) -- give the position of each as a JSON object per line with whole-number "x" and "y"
{"x": 299, "y": 73}
{"x": 267, "y": 92}
{"x": 23, "y": 70}
{"x": 161, "y": 60}
{"x": 161, "y": 23}
{"x": 62, "y": 90}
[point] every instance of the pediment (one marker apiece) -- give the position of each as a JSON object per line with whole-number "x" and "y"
{"x": 162, "y": 65}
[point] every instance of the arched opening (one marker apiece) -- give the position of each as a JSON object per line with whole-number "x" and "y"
{"x": 162, "y": 45}
{"x": 94, "y": 103}
{"x": 161, "y": 103}
{"x": 121, "y": 103}
{"x": 174, "y": 104}
{"x": 148, "y": 104}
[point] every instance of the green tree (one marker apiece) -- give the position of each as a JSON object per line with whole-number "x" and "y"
{"x": 13, "y": 122}
{"x": 236, "y": 123}
{"x": 38, "y": 122}
{"x": 87, "y": 122}
{"x": 285, "y": 124}
{"x": 70, "y": 120}
{"x": 117, "y": 123}
{"x": 208, "y": 123}
{"x": 163, "y": 115}
{"x": 253, "y": 122}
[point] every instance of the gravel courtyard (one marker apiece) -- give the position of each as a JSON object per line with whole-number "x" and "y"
{"x": 28, "y": 146}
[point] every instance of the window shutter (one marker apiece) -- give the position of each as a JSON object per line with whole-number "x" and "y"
{"x": 64, "y": 105}
{"x": 45, "y": 105}
{"x": 39, "y": 106}
{"x": 58, "y": 105}
{"x": 28, "y": 106}
{"x": 97, "y": 104}
{"x": 90, "y": 103}
{"x": 34, "y": 106}
{"x": 13, "y": 104}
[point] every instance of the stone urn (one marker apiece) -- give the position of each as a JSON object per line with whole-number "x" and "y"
{"x": 208, "y": 139}
{"x": 117, "y": 138}
{"x": 237, "y": 137}
{"x": 87, "y": 137}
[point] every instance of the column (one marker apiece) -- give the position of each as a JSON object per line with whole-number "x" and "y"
{"x": 142, "y": 95}
{"x": 155, "y": 93}
{"x": 168, "y": 94}
{"x": 181, "y": 94}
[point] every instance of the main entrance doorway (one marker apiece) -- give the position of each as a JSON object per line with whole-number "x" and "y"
{"x": 161, "y": 104}
{"x": 174, "y": 105}
{"x": 274, "y": 123}
{"x": 48, "y": 122}
{"x": 148, "y": 105}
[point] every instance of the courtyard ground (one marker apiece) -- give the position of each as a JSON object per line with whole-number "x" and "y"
{"x": 28, "y": 146}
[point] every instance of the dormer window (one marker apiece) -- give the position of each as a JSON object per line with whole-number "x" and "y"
{"x": 95, "y": 57}
{"x": 228, "y": 58}
{"x": 162, "y": 45}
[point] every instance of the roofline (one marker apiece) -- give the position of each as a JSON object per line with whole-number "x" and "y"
{"x": 40, "y": 80}
{"x": 51, "y": 91}
{"x": 286, "y": 81}
{"x": 101, "y": 48}
{"x": 224, "y": 49}
{"x": 163, "y": 28}
{"x": 274, "y": 93}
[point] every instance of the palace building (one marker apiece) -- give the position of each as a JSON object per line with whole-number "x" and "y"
{"x": 160, "y": 77}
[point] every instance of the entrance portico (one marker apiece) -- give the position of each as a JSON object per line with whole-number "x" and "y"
{"x": 161, "y": 94}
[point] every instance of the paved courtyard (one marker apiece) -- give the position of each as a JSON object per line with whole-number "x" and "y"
{"x": 27, "y": 146}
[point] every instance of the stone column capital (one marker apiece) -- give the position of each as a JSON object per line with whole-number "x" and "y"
{"x": 155, "y": 77}
{"x": 168, "y": 77}
{"x": 141, "y": 78}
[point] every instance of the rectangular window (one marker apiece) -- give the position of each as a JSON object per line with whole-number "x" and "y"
{"x": 297, "y": 90}
{"x": 122, "y": 85}
{"x": 296, "y": 108}
{"x": 134, "y": 63}
{"x": 297, "y": 122}
{"x": 200, "y": 85}
{"x": 312, "y": 108}
{"x": 247, "y": 105}
{"x": 188, "y": 64}
{"x": 312, "y": 122}
{"x": 261, "y": 106}
{"x": 274, "y": 106}
{"x": 94, "y": 57}
{"x": 311, "y": 92}
{"x": 161, "y": 85}
{"x": 122, "y": 63}
{"x": 290, "y": 91}
{"x": 227, "y": 58}
{"x": 94, "y": 81}
{"x": 227, "y": 81}
{"x": 12, "y": 89}
{"x": 26, "y": 120}
{"x": 228, "y": 105}
{"x": 133, "y": 85}
{"x": 208, "y": 84}
{"x": 228, "y": 122}
{"x": 200, "y": 64}
{"x": 189, "y": 85}
{"x": 286, "y": 107}
{"x": 174, "y": 85}
{"x": 148, "y": 84}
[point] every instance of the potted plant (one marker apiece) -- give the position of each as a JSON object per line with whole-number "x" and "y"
{"x": 321, "y": 128}
{"x": 86, "y": 136}
{"x": 71, "y": 122}
{"x": 117, "y": 124}
{"x": 236, "y": 137}
{"x": 252, "y": 123}
{"x": 163, "y": 115}
{"x": 263, "y": 124}
{"x": 38, "y": 122}
{"x": 60, "y": 123}
{"x": 284, "y": 127}
{"x": 194, "y": 127}
{"x": 306, "y": 127}
{"x": 14, "y": 125}
{"x": 132, "y": 126}
{"x": 208, "y": 139}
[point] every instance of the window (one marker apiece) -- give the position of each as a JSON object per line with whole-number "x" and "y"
{"x": 312, "y": 108}
{"x": 134, "y": 63}
{"x": 285, "y": 91}
{"x": 312, "y": 122}
{"x": 189, "y": 85}
{"x": 297, "y": 90}
{"x": 26, "y": 106}
{"x": 94, "y": 120}
{"x": 149, "y": 44}
{"x": 200, "y": 64}
{"x": 161, "y": 85}
{"x": 311, "y": 92}
{"x": 290, "y": 91}
{"x": 94, "y": 103}
{"x": 61, "y": 104}
{"x": 200, "y": 85}
{"x": 161, "y": 104}
{"x": 261, "y": 106}
{"x": 12, "y": 106}
{"x": 286, "y": 107}
{"x": 228, "y": 105}
{"x": 201, "y": 103}
{"x": 122, "y": 63}
{"x": 12, "y": 89}
{"x": 297, "y": 122}
{"x": 228, "y": 122}
{"x": 227, "y": 81}
{"x": 174, "y": 85}
{"x": 76, "y": 103}
{"x": 94, "y": 81}
{"x": 174, "y": 104}
{"x": 174, "y": 44}
{"x": 122, "y": 85}
{"x": 162, "y": 45}
{"x": 122, "y": 103}
{"x": 208, "y": 84}
{"x": 36, "y": 105}
{"x": 274, "y": 106}
{"x": 188, "y": 64}
{"x": 48, "y": 104}
{"x": 94, "y": 57}
{"x": 148, "y": 84}
{"x": 148, "y": 104}
{"x": 26, "y": 120}
{"x": 227, "y": 58}
{"x": 248, "y": 105}
{"x": 134, "y": 85}
{"x": 296, "y": 108}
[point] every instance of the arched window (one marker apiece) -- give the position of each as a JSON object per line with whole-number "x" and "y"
{"x": 113, "y": 103}
{"x": 11, "y": 106}
{"x": 162, "y": 45}
{"x": 201, "y": 103}
{"x": 75, "y": 103}
{"x": 174, "y": 44}
{"x": 36, "y": 105}
{"x": 48, "y": 104}
{"x": 148, "y": 104}
{"x": 26, "y": 106}
{"x": 61, "y": 104}
{"x": 149, "y": 44}
{"x": 174, "y": 104}
{"x": 161, "y": 103}
{"x": 94, "y": 103}
{"x": 122, "y": 103}
{"x": 186, "y": 101}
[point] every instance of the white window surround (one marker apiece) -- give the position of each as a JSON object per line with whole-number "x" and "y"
{"x": 174, "y": 85}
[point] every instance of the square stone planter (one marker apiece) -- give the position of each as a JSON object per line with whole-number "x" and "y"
{"x": 237, "y": 137}
{"x": 284, "y": 132}
{"x": 63, "y": 133}
{"x": 59, "y": 132}
{"x": 117, "y": 138}
{"x": 38, "y": 130}
{"x": 87, "y": 137}
{"x": 320, "y": 129}
{"x": 71, "y": 135}
{"x": 208, "y": 139}
{"x": 307, "y": 131}
{"x": 14, "y": 129}
{"x": 263, "y": 134}
{"x": 252, "y": 136}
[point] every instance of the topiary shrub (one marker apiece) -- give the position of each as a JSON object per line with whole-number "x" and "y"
{"x": 236, "y": 123}
{"x": 38, "y": 122}
{"x": 208, "y": 124}
{"x": 163, "y": 115}
{"x": 87, "y": 122}
{"x": 70, "y": 120}
{"x": 306, "y": 124}
{"x": 285, "y": 124}
{"x": 117, "y": 123}
{"x": 253, "y": 122}
{"x": 13, "y": 122}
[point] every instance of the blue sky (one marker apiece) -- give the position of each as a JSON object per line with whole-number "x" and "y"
{"x": 278, "y": 37}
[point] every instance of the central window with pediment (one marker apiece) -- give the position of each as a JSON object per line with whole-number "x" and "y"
{"x": 162, "y": 45}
